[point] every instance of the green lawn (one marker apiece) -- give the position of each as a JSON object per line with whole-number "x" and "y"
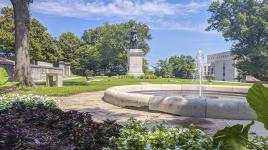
{"x": 80, "y": 85}
{"x": 7, "y": 85}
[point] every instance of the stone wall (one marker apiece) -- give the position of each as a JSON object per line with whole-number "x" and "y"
{"x": 39, "y": 69}
{"x": 39, "y": 72}
{"x": 9, "y": 66}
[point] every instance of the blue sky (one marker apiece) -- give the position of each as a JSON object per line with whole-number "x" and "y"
{"x": 177, "y": 26}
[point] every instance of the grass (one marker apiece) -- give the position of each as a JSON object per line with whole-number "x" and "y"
{"x": 7, "y": 85}
{"x": 80, "y": 85}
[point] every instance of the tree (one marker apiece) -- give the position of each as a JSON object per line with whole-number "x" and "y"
{"x": 43, "y": 46}
{"x": 182, "y": 66}
{"x": 69, "y": 44}
{"x": 145, "y": 67}
{"x": 87, "y": 58}
{"x": 245, "y": 23}
{"x": 22, "y": 24}
{"x": 7, "y": 31}
{"x": 163, "y": 69}
{"x": 112, "y": 41}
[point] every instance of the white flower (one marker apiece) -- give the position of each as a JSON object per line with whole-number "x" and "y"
{"x": 148, "y": 147}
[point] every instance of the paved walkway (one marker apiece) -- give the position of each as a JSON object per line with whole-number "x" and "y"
{"x": 93, "y": 103}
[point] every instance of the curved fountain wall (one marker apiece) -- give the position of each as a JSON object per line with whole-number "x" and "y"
{"x": 190, "y": 107}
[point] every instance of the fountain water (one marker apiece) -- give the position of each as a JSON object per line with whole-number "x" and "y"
{"x": 199, "y": 70}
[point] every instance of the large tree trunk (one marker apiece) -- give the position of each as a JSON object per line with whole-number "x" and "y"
{"x": 22, "y": 23}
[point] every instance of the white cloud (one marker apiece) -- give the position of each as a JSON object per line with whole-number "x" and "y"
{"x": 5, "y": 3}
{"x": 157, "y": 13}
{"x": 173, "y": 25}
{"x": 117, "y": 8}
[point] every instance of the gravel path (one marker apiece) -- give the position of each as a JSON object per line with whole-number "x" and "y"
{"x": 92, "y": 102}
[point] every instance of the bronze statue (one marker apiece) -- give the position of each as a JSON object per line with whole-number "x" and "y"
{"x": 134, "y": 38}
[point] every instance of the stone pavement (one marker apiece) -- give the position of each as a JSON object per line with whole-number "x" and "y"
{"x": 92, "y": 102}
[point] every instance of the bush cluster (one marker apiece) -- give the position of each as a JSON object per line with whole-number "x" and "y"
{"x": 148, "y": 77}
{"x": 126, "y": 77}
{"x": 137, "y": 137}
{"x": 35, "y": 122}
{"x": 134, "y": 136}
{"x": 29, "y": 100}
{"x": 38, "y": 124}
{"x": 140, "y": 77}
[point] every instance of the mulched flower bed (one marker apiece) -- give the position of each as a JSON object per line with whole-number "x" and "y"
{"x": 42, "y": 127}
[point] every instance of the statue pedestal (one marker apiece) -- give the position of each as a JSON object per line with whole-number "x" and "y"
{"x": 135, "y": 62}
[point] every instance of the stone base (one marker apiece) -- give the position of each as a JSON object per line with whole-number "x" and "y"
{"x": 135, "y": 62}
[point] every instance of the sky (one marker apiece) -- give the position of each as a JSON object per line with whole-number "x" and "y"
{"x": 177, "y": 26}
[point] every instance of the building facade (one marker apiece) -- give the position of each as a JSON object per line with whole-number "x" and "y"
{"x": 222, "y": 66}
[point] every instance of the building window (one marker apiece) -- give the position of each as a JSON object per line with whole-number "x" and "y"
{"x": 223, "y": 72}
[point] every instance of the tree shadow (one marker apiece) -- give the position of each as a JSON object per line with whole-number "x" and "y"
{"x": 208, "y": 125}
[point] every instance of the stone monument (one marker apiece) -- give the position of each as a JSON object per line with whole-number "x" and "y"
{"x": 135, "y": 56}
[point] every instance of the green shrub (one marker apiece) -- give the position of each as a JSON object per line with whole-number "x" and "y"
{"x": 3, "y": 76}
{"x": 209, "y": 78}
{"x": 43, "y": 127}
{"x": 30, "y": 101}
{"x": 259, "y": 143}
{"x": 126, "y": 77}
{"x": 89, "y": 74}
{"x": 136, "y": 137}
{"x": 258, "y": 100}
{"x": 148, "y": 77}
{"x": 233, "y": 138}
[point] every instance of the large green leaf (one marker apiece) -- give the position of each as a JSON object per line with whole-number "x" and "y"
{"x": 233, "y": 138}
{"x": 258, "y": 100}
{"x": 3, "y": 76}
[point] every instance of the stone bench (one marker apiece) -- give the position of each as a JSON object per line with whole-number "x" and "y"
{"x": 50, "y": 77}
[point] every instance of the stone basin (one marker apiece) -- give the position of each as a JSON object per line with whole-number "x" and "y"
{"x": 218, "y": 102}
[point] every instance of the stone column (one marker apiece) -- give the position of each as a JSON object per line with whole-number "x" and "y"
{"x": 59, "y": 80}
{"x": 66, "y": 68}
{"x": 68, "y": 72}
{"x": 62, "y": 66}
{"x": 135, "y": 62}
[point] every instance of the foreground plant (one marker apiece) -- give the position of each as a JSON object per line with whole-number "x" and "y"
{"x": 258, "y": 101}
{"x": 3, "y": 76}
{"x": 233, "y": 138}
{"x": 33, "y": 122}
{"x": 30, "y": 101}
{"x": 135, "y": 136}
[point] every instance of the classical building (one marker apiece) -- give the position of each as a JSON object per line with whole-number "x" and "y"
{"x": 221, "y": 66}
{"x": 206, "y": 70}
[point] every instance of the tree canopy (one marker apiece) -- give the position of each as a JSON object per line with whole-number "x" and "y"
{"x": 176, "y": 66}
{"x": 163, "y": 68}
{"x": 7, "y": 31}
{"x": 102, "y": 50}
{"x": 43, "y": 46}
{"x": 182, "y": 66}
{"x": 111, "y": 41}
{"x": 69, "y": 44}
{"x": 245, "y": 23}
